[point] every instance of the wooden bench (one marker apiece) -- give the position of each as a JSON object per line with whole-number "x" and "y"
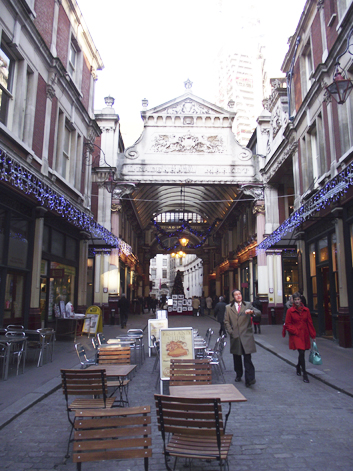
{"x": 194, "y": 428}
{"x": 115, "y": 434}
{"x": 188, "y": 372}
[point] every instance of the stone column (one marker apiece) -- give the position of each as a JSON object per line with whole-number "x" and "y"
{"x": 82, "y": 273}
{"x": 343, "y": 324}
{"x": 34, "y": 321}
{"x": 206, "y": 271}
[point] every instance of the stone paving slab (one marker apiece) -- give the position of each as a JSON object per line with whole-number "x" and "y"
{"x": 284, "y": 425}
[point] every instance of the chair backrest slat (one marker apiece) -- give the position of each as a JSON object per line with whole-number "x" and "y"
{"x": 114, "y": 355}
{"x": 189, "y": 372}
{"x": 113, "y": 434}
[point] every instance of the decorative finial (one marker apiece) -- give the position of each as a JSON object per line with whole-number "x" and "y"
{"x": 145, "y": 103}
{"x": 231, "y": 103}
{"x": 188, "y": 84}
{"x": 109, "y": 101}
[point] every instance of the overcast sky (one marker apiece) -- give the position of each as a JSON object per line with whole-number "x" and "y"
{"x": 151, "y": 47}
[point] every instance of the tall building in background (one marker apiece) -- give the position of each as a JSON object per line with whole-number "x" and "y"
{"x": 241, "y": 68}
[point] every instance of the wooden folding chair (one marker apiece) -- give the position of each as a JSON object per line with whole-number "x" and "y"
{"x": 89, "y": 383}
{"x": 112, "y": 434}
{"x": 114, "y": 355}
{"x": 189, "y": 372}
{"x": 192, "y": 429}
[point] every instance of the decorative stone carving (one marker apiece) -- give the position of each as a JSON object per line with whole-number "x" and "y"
{"x": 50, "y": 91}
{"x": 255, "y": 191}
{"x": 320, "y": 4}
{"x": 116, "y": 207}
{"x": 258, "y": 209}
{"x": 188, "y": 107}
{"x": 290, "y": 149}
{"x": 276, "y": 121}
{"x": 187, "y": 143}
{"x": 188, "y": 120}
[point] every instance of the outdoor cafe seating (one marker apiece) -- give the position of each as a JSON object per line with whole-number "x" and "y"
{"x": 190, "y": 372}
{"x": 192, "y": 429}
{"x": 92, "y": 389}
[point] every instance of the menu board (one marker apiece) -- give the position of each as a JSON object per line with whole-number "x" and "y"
{"x": 175, "y": 343}
{"x": 154, "y": 327}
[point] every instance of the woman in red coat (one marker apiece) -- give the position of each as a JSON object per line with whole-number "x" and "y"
{"x": 300, "y": 327}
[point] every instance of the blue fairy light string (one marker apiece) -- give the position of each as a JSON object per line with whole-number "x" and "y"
{"x": 18, "y": 176}
{"x": 331, "y": 192}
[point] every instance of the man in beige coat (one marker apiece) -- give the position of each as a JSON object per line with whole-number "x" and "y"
{"x": 237, "y": 321}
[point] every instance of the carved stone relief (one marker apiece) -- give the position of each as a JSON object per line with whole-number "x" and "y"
{"x": 188, "y": 107}
{"x": 187, "y": 143}
{"x": 276, "y": 121}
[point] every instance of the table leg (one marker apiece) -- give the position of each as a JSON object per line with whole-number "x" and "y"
{"x": 227, "y": 415}
{"x": 7, "y": 360}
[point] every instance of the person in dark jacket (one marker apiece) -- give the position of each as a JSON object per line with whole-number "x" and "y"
{"x": 300, "y": 328}
{"x": 219, "y": 312}
{"x": 124, "y": 306}
{"x": 257, "y": 319}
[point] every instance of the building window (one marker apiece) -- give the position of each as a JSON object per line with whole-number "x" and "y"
{"x": 342, "y": 6}
{"x": 345, "y": 125}
{"x": 7, "y": 66}
{"x": 153, "y": 262}
{"x": 306, "y": 69}
{"x": 164, "y": 273}
{"x": 165, "y": 262}
{"x": 72, "y": 60}
{"x": 153, "y": 273}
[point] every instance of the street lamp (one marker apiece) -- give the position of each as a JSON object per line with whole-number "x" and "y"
{"x": 341, "y": 86}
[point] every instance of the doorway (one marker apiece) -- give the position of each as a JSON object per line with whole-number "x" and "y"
{"x": 326, "y": 299}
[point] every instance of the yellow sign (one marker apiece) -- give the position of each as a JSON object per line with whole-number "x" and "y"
{"x": 176, "y": 343}
{"x": 96, "y": 323}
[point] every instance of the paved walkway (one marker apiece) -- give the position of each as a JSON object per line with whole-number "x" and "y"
{"x": 284, "y": 425}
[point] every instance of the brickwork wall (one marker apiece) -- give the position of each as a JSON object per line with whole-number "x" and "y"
{"x": 316, "y": 39}
{"x": 86, "y": 82}
{"x": 44, "y": 19}
{"x": 39, "y": 119}
{"x": 54, "y": 109}
{"x": 62, "y": 43}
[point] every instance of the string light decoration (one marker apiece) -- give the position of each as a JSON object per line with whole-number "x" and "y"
{"x": 331, "y": 192}
{"x": 185, "y": 225}
{"x": 21, "y": 178}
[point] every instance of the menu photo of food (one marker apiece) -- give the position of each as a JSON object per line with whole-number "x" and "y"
{"x": 175, "y": 343}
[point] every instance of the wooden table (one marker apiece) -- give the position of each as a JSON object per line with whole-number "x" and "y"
{"x": 225, "y": 392}
{"x": 113, "y": 371}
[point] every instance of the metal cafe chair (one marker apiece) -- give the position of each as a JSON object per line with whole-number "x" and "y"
{"x": 81, "y": 353}
{"x": 17, "y": 349}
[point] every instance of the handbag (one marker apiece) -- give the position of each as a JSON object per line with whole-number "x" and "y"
{"x": 314, "y": 355}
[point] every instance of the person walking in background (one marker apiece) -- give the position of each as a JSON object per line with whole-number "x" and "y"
{"x": 202, "y": 305}
{"x": 300, "y": 327}
{"x": 219, "y": 312}
{"x": 195, "y": 305}
{"x": 209, "y": 304}
{"x": 124, "y": 306}
{"x": 257, "y": 319}
{"x": 302, "y": 297}
{"x": 288, "y": 304}
{"x": 237, "y": 321}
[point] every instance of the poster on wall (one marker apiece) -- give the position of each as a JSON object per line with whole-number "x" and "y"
{"x": 175, "y": 343}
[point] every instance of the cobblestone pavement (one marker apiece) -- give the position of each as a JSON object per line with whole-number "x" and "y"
{"x": 284, "y": 425}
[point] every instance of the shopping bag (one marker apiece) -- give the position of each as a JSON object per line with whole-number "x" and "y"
{"x": 314, "y": 355}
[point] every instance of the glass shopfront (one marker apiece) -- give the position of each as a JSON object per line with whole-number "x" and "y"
{"x": 323, "y": 299}
{"x": 58, "y": 273}
{"x": 15, "y": 230}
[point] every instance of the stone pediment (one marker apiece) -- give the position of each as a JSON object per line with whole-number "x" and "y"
{"x": 187, "y": 105}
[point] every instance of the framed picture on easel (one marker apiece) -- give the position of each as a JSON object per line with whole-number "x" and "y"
{"x": 91, "y": 324}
